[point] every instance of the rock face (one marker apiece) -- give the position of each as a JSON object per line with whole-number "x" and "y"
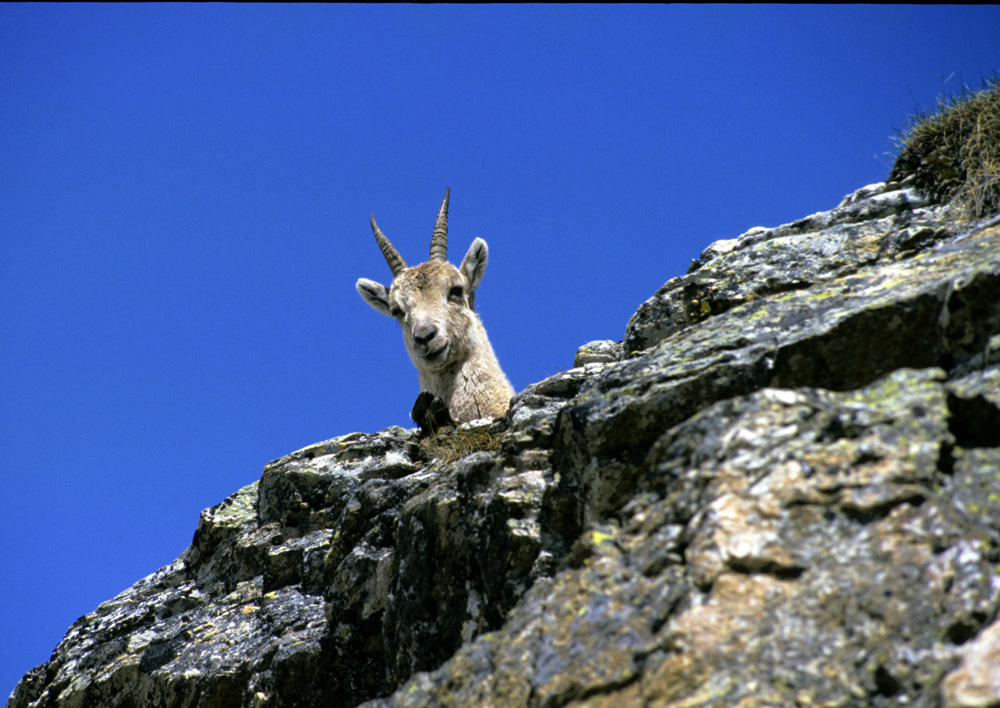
{"x": 782, "y": 489}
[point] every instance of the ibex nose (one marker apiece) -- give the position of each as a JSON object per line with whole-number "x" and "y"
{"x": 423, "y": 334}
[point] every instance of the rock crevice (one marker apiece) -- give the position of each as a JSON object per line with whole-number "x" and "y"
{"x": 782, "y": 488}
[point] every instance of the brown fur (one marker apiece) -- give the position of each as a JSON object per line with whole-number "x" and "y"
{"x": 444, "y": 336}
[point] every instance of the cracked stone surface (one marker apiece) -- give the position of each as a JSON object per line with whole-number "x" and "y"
{"x": 781, "y": 489}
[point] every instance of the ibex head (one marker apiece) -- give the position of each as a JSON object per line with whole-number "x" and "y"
{"x": 432, "y": 301}
{"x": 434, "y": 304}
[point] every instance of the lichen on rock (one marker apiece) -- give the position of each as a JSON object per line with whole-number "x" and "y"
{"x": 783, "y": 488}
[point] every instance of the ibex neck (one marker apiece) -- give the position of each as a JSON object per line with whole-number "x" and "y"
{"x": 473, "y": 388}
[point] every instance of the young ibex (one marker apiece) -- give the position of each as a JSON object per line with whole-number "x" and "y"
{"x": 444, "y": 336}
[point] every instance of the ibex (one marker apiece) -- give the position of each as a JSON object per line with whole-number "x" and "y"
{"x": 434, "y": 304}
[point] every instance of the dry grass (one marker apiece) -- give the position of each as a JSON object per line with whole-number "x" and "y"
{"x": 454, "y": 443}
{"x": 954, "y": 154}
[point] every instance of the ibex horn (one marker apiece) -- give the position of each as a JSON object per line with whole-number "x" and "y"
{"x": 439, "y": 240}
{"x": 392, "y": 257}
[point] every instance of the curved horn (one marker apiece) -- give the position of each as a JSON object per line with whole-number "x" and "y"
{"x": 439, "y": 240}
{"x": 392, "y": 257}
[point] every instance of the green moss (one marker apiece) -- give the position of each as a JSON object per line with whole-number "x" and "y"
{"x": 954, "y": 154}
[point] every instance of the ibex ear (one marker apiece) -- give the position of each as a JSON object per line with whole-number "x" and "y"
{"x": 474, "y": 263}
{"x": 375, "y": 294}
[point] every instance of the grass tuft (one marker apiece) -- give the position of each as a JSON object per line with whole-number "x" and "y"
{"x": 452, "y": 444}
{"x": 954, "y": 153}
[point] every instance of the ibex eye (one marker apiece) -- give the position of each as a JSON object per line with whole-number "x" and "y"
{"x": 456, "y": 292}
{"x": 396, "y": 312}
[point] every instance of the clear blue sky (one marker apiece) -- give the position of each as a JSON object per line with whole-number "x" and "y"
{"x": 184, "y": 203}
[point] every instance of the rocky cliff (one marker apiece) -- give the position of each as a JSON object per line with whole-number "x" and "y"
{"x": 782, "y": 489}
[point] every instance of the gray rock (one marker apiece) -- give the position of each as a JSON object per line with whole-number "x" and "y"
{"x": 976, "y": 682}
{"x": 786, "y": 492}
{"x": 779, "y": 548}
{"x": 876, "y": 224}
{"x": 599, "y": 352}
